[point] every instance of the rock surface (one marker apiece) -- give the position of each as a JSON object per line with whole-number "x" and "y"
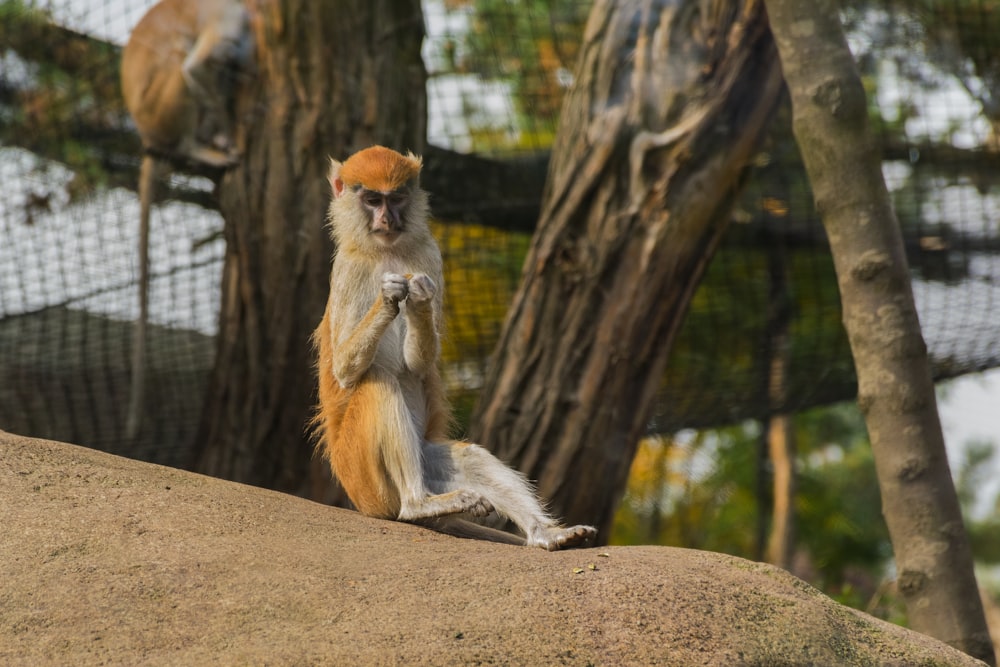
{"x": 105, "y": 560}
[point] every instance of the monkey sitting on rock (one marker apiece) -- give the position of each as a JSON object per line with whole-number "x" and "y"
{"x": 382, "y": 415}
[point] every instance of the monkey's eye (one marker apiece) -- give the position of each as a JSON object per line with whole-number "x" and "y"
{"x": 396, "y": 199}
{"x": 372, "y": 199}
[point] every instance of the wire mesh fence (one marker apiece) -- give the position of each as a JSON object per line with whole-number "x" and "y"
{"x": 498, "y": 71}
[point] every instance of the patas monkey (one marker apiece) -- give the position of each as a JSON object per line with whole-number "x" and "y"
{"x": 178, "y": 76}
{"x": 382, "y": 416}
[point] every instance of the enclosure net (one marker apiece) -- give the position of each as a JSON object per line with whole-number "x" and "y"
{"x": 498, "y": 71}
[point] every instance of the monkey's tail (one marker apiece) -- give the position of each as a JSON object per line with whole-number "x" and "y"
{"x": 137, "y": 389}
{"x": 456, "y": 527}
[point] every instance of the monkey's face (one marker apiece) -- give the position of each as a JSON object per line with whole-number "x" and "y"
{"x": 386, "y": 212}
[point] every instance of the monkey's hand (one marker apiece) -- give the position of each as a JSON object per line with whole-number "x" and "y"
{"x": 422, "y": 345}
{"x": 394, "y": 289}
{"x": 422, "y": 288}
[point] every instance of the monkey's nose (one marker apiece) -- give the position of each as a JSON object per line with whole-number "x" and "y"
{"x": 382, "y": 221}
{"x": 391, "y": 216}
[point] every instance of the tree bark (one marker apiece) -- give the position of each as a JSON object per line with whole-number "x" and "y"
{"x": 895, "y": 392}
{"x": 669, "y": 102}
{"x": 331, "y": 78}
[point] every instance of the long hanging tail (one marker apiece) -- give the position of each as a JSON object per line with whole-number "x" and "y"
{"x": 137, "y": 389}
{"x": 456, "y": 527}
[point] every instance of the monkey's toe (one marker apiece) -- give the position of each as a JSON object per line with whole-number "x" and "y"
{"x": 480, "y": 508}
{"x": 474, "y": 504}
{"x": 577, "y": 536}
{"x": 553, "y": 539}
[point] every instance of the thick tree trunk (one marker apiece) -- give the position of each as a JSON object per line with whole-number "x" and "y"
{"x": 331, "y": 78}
{"x": 670, "y": 99}
{"x": 895, "y": 392}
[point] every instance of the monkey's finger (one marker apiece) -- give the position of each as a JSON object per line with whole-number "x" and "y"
{"x": 394, "y": 281}
{"x": 394, "y": 287}
{"x": 422, "y": 288}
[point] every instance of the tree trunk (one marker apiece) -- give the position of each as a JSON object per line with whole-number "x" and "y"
{"x": 895, "y": 392}
{"x": 669, "y": 102}
{"x": 779, "y": 428}
{"x": 781, "y": 446}
{"x": 330, "y": 78}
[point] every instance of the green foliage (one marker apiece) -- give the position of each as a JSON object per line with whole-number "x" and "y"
{"x": 532, "y": 44}
{"x": 694, "y": 493}
{"x": 12, "y": 11}
{"x": 974, "y": 471}
{"x": 928, "y": 43}
{"x": 838, "y": 507}
{"x": 699, "y": 491}
{"x": 984, "y": 534}
{"x": 67, "y": 83}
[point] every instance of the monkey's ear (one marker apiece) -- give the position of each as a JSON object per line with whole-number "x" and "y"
{"x": 335, "y": 181}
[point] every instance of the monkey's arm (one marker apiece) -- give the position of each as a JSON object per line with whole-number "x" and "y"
{"x": 225, "y": 41}
{"x": 353, "y": 358}
{"x": 420, "y": 350}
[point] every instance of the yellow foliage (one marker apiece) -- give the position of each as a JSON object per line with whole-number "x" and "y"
{"x": 482, "y": 267}
{"x": 657, "y": 466}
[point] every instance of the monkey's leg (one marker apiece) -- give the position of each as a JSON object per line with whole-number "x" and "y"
{"x": 514, "y": 498}
{"x": 210, "y": 54}
{"x": 399, "y": 444}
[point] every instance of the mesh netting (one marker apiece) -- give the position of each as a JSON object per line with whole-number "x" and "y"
{"x": 498, "y": 71}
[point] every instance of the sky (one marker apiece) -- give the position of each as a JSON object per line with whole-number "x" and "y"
{"x": 969, "y": 408}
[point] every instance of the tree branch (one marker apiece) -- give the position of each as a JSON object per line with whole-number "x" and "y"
{"x": 501, "y": 193}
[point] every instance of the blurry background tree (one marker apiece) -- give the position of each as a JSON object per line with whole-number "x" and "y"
{"x": 301, "y": 108}
{"x": 67, "y": 273}
{"x": 650, "y": 155}
{"x": 895, "y": 388}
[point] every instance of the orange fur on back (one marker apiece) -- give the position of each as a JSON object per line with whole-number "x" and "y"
{"x": 379, "y": 168}
{"x": 343, "y": 439}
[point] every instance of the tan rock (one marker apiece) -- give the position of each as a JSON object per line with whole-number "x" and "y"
{"x": 105, "y": 560}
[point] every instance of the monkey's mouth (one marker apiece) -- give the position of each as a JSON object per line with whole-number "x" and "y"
{"x": 386, "y": 236}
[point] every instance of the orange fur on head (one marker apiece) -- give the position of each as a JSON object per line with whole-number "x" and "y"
{"x": 379, "y": 168}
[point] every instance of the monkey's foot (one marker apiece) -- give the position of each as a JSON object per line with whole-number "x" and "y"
{"x": 453, "y": 502}
{"x": 554, "y": 538}
{"x": 214, "y": 157}
{"x": 222, "y": 142}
